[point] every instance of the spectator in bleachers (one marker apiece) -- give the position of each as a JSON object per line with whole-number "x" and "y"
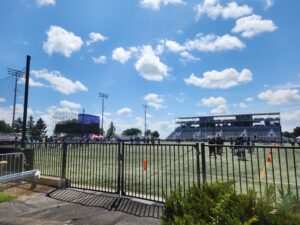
{"x": 212, "y": 148}
{"x": 219, "y": 142}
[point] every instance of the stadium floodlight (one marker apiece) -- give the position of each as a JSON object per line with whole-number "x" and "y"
{"x": 18, "y": 74}
{"x": 103, "y": 96}
{"x": 145, "y": 107}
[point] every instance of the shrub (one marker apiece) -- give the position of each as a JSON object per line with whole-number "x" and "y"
{"x": 218, "y": 203}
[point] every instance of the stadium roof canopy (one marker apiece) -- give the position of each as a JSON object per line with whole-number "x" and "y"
{"x": 231, "y": 115}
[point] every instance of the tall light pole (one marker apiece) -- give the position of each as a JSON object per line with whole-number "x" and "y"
{"x": 145, "y": 108}
{"x": 103, "y": 96}
{"x": 18, "y": 74}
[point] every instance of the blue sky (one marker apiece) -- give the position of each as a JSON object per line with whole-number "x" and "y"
{"x": 181, "y": 57}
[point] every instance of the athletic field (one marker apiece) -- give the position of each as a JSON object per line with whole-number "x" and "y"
{"x": 150, "y": 171}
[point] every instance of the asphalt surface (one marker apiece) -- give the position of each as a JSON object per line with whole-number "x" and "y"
{"x": 77, "y": 207}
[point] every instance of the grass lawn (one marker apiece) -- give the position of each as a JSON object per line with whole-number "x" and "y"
{"x": 5, "y": 197}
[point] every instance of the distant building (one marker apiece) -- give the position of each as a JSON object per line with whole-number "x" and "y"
{"x": 261, "y": 126}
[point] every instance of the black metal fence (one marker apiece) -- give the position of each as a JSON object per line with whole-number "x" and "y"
{"x": 11, "y": 163}
{"x": 254, "y": 167}
{"x": 151, "y": 171}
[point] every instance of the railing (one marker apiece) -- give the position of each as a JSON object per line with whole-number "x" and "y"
{"x": 47, "y": 158}
{"x": 254, "y": 167}
{"x": 11, "y": 163}
{"x": 151, "y": 171}
{"x": 92, "y": 166}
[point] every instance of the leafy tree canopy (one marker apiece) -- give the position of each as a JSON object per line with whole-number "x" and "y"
{"x": 132, "y": 132}
{"x": 111, "y": 130}
{"x": 5, "y": 127}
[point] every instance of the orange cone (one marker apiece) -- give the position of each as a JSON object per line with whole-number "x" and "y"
{"x": 269, "y": 158}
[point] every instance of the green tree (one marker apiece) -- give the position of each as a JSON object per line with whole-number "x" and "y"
{"x": 148, "y": 132}
{"x": 68, "y": 121}
{"x": 5, "y": 127}
{"x": 131, "y": 132}
{"x": 40, "y": 129}
{"x": 101, "y": 131}
{"x": 18, "y": 125}
{"x": 297, "y": 131}
{"x": 30, "y": 127}
{"x": 288, "y": 134}
{"x": 155, "y": 134}
{"x": 111, "y": 130}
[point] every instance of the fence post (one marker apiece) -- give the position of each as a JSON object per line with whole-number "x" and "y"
{"x": 122, "y": 170}
{"x": 203, "y": 162}
{"x": 119, "y": 167}
{"x": 64, "y": 160}
{"x": 198, "y": 163}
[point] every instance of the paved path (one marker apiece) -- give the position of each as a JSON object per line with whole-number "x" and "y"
{"x": 77, "y": 207}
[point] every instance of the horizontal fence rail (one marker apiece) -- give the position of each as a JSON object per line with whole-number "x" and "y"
{"x": 151, "y": 171}
{"x": 11, "y": 163}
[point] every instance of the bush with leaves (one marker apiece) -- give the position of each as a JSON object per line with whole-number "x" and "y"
{"x": 218, "y": 203}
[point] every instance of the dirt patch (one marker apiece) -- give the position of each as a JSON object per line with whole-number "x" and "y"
{"x": 24, "y": 188}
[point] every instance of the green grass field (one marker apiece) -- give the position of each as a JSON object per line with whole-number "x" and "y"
{"x": 96, "y": 166}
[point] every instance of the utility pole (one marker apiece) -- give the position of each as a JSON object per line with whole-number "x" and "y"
{"x": 18, "y": 74}
{"x": 145, "y": 111}
{"x": 103, "y": 96}
{"x": 28, "y": 58}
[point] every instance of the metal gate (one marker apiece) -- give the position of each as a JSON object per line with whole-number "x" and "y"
{"x": 152, "y": 171}
{"x": 147, "y": 171}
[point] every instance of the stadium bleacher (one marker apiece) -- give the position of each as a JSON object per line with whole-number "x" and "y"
{"x": 263, "y": 126}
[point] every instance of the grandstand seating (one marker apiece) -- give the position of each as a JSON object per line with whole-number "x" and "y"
{"x": 197, "y": 133}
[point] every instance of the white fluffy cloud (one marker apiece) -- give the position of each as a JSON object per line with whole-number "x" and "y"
{"x": 253, "y": 25}
{"x": 173, "y": 46}
{"x": 290, "y": 119}
{"x": 220, "y": 79}
{"x": 213, "y": 101}
{"x": 95, "y": 37}
{"x": 186, "y": 56}
{"x": 220, "y": 109}
{"x": 58, "y": 82}
{"x": 154, "y": 100}
{"x": 7, "y": 112}
{"x": 149, "y": 65}
{"x": 69, "y": 105}
{"x": 61, "y": 41}
{"x": 218, "y": 102}
{"x": 41, "y": 3}
{"x": 155, "y": 4}
{"x": 121, "y": 55}
{"x": 280, "y": 96}
{"x": 2, "y": 100}
{"x": 213, "y": 43}
{"x": 124, "y": 112}
{"x": 269, "y": 3}
{"x": 213, "y": 9}
{"x": 32, "y": 82}
{"x": 100, "y": 60}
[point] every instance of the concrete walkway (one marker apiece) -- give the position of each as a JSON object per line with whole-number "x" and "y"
{"x": 72, "y": 206}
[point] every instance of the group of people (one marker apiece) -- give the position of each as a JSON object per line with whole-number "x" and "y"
{"x": 145, "y": 140}
{"x": 238, "y": 146}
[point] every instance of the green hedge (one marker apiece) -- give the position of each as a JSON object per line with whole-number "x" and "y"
{"x": 218, "y": 203}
